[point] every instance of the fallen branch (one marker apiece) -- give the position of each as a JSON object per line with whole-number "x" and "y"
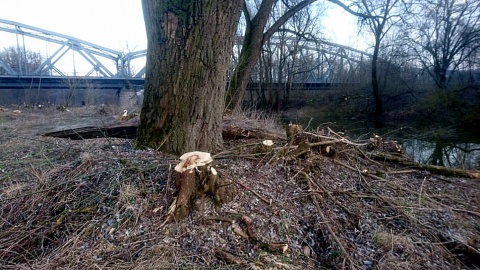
{"x": 391, "y": 184}
{"x": 249, "y": 223}
{"x": 129, "y": 130}
{"x": 364, "y": 173}
{"x": 224, "y": 219}
{"x": 225, "y": 153}
{"x": 233, "y": 132}
{"x": 340, "y": 138}
{"x": 229, "y": 257}
{"x": 402, "y": 171}
{"x": 431, "y": 168}
{"x": 368, "y": 158}
{"x": 278, "y": 248}
{"x": 325, "y": 142}
{"x": 236, "y": 229}
{"x": 92, "y": 132}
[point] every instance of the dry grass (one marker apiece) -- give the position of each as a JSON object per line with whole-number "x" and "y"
{"x": 98, "y": 204}
{"x": 251, "y": 119}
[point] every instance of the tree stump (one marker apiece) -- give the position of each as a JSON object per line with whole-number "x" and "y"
{"x": 196, "y": 178}
{"x": 293, "y": 131}
{"x": 266, "y": 146}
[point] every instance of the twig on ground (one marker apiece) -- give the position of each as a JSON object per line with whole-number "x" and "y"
{"x": 421, "y": 190}
{"x": 269, "y": 202}
{"x": 229, "y": 257}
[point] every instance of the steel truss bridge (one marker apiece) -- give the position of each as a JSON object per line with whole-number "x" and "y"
{"x": 112, "y": 69}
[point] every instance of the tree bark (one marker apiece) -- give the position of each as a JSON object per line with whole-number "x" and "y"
{"x": 189, "y": 47}
{"x": 375, "y": 87}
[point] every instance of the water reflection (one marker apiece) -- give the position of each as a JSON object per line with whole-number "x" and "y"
{"x": 460, "y": 155}
{"x": 446, "y": 152}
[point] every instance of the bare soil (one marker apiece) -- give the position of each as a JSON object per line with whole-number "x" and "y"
{"x": 100, "y": 204}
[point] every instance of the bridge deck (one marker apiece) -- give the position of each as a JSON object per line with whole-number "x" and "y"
{"x": 57, "y": 82}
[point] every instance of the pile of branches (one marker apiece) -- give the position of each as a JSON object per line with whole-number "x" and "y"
{"x": 377, "y": 208}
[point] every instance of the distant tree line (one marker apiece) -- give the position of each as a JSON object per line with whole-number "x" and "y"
{"x": 417, "y": 42}
{"x": 19, "y": 60}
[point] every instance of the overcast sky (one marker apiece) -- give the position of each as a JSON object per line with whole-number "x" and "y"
{"x": 118, "y": 24}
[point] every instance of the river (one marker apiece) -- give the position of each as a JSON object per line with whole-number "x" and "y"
{"x": 451, "y": 149}
{"x": 444, "y": 153}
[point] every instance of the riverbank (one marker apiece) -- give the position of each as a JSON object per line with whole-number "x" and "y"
{"x": 452, "y": 146}
{"x": 98, "y": 203}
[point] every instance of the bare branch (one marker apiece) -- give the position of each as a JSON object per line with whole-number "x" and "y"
{"x": 284, "y": 18}
{"x": 349, "y": 10}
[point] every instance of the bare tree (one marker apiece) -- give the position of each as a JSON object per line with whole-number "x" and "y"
{"x": 189, "y": 48}
{"x": 280, "y": 57}
{"x": 19, "y": 61}
{"x": 255, "y": 37}
{"x": 444, "y": 34}
{"x": 381, "y": 18}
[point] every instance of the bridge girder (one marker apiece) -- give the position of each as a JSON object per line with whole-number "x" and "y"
{"x": 329, "y": 55}
{"x": 90, "y": 52}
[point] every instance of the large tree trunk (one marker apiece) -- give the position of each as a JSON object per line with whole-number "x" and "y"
{"x": 189, "y": 47}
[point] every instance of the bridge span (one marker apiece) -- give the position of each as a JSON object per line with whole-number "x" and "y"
{"x": 319, "y": 61}
{"x": 103, "y": 62}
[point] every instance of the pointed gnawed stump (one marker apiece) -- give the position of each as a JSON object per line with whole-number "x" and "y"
{"x": 196, "y": 178}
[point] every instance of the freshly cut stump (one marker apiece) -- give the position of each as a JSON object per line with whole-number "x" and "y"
{"x": 196, "y": 178}
{"x": 293, "y": 131}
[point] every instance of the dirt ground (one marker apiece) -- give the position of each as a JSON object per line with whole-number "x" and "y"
{"x": 100, "y": 204}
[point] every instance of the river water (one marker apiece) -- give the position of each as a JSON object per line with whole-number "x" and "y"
{"x": 444, "y": 153}
{"x": 459, "y": 151}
